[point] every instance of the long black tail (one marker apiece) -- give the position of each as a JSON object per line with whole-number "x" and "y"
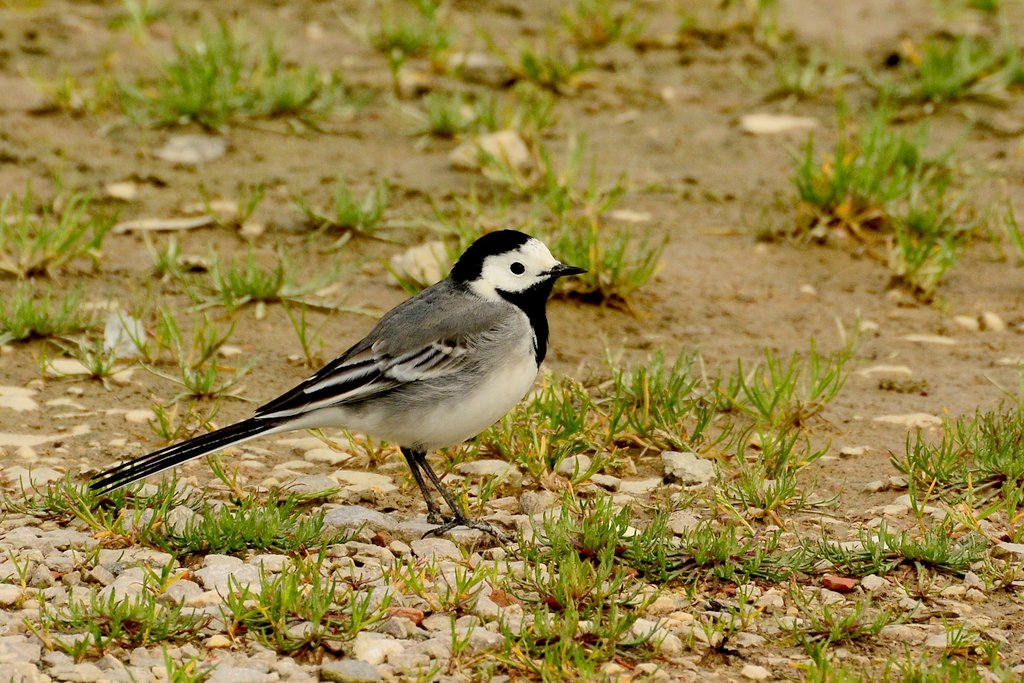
{"x": 165, "y": 458}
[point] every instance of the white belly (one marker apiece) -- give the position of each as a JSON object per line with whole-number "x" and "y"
{"x": 451, "y": 423}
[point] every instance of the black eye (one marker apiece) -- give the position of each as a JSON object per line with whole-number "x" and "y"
{"x": 517, "y": 268}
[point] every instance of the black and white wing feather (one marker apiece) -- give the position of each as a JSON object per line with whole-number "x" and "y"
{"x": 421, "y": 339}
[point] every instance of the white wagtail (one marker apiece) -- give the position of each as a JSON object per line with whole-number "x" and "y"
{"x": 436, "y": 370}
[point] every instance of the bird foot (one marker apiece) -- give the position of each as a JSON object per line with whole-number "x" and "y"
{"x": 435, "y": 517}
{"x": 453, "y": 522}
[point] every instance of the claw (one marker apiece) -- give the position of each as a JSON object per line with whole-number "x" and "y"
{"x": 487, "y": 528}
{"x": 435, "y": 517}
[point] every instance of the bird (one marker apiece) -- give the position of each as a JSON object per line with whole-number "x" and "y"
{"x": 435, "y": 371}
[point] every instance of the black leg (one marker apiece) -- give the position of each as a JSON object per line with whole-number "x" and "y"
{"x": 460, "y": 518}
{"x": 434, "y": 515}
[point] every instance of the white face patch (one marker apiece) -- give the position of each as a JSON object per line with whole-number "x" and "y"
{"x": 514, "y": 271}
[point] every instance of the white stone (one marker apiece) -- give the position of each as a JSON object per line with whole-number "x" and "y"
{"x": 359, "y": 481}
{"x": 1006, "y": 549}
{"x": 492, "y": 468}
{"x": 629, "y": 216}
{"x": 873, "y": 583}
{"x": 435, "y": 548}
{"x": 936, "y": 339}
{"x": 755, "y": 672}
{"x": 310, "y": 484}
{"x": 18, "y": 399}
{"x": 968, "y": 322}
{"x": 574, "y": 465}
{"x": 639, "y": 486}
{"x": 424, "y": 263}
{"x": 327, "y": 455}
{"x": 9, "y": 594}
{"x": 885, "y": 370}
{"x": 375, "y": 648}
{"x": 350, "y": 671}
{"x": 32, "y": 476}
{"x": 535, "y": 502}
{"x": 687, "y": 468}
{"x": 990, "y": 320}
{"x": 139, "y": 416}
{"x": 223, "y": 573}
{"x": 606, "y": 481}
{"x": 774, "y": 124}
{"x": 127, "y": 585}
{"x": 480, "y": 66}
{"x": 65, "y": 367}
{"x": 353, "y": 517}
{"x": 681, "y": 522}
{"x": 506, "y": 146}
{"x": 911, "y": 420}
{"x": 125, "y": 190}
{"x": 192, "y": 149}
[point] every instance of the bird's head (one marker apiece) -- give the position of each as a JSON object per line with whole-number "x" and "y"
{"x": 508, "y": 264}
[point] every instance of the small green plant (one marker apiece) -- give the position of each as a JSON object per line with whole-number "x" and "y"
{"x": 1013, "y": 233}
{"x": 852, "y": 187}
{"x": 827, "y": 623}
{"x": 76, "y": 96}
{"x": 759, "y": 19}
{"x": 303, "y": 608}
{"x": 707, "y": 551}
{"x": 167, "y": 259}
{"x": 596, "y": 23}
{"x": 913, "y": 668}
{"x": 657, "y": 403}
{"x": 170, "y": 426}
{"x": 785, "y": 395}
{"x": 526, "y": 109}
{"x": 877, "y": 186}
{"x": 188, "y": 671}
{"x": 139, "y": 14}
{"x": 127, "y": 621}
{"x": 220, "y": 77}
{"x": 805, "y": 75}
{"x": 122, "y": 517}
{"x": 239, "y": 282}
{"x": 312, "y": 342}
{"x": 765, "y": 481}
{"x": 977, "y": 462}
{"x": 929, "y": 235}
{"x": 198, "y": 362}
{"x": 401, "y": 35}
{"x": 277, "y": 524}
{"x": 447, "y": 114}
{"x": 582, "y": 613}
{"x": 30, "y": 313}
{"x": 549, "y": 64}
{"x": 99, "y": 360}
{"x": 958, "y": 68}
{"x": 882, "y": 551}
{"x": 617, "y": 265}
{"x": 347, "y": 213}
{"x": 69, "y": 229}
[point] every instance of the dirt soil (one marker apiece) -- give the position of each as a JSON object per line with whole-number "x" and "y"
{"x": 664, "y": 118}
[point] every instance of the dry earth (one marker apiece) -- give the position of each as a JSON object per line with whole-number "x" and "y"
{"x": 666, "y": 118}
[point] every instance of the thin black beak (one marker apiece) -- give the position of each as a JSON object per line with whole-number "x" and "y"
{"x": 563, "y": 270}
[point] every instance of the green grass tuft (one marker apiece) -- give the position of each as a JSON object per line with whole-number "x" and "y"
{"x": 30, "y": 313}
{"x": 68, "y": 229}
{"x": 222, "y": 77}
